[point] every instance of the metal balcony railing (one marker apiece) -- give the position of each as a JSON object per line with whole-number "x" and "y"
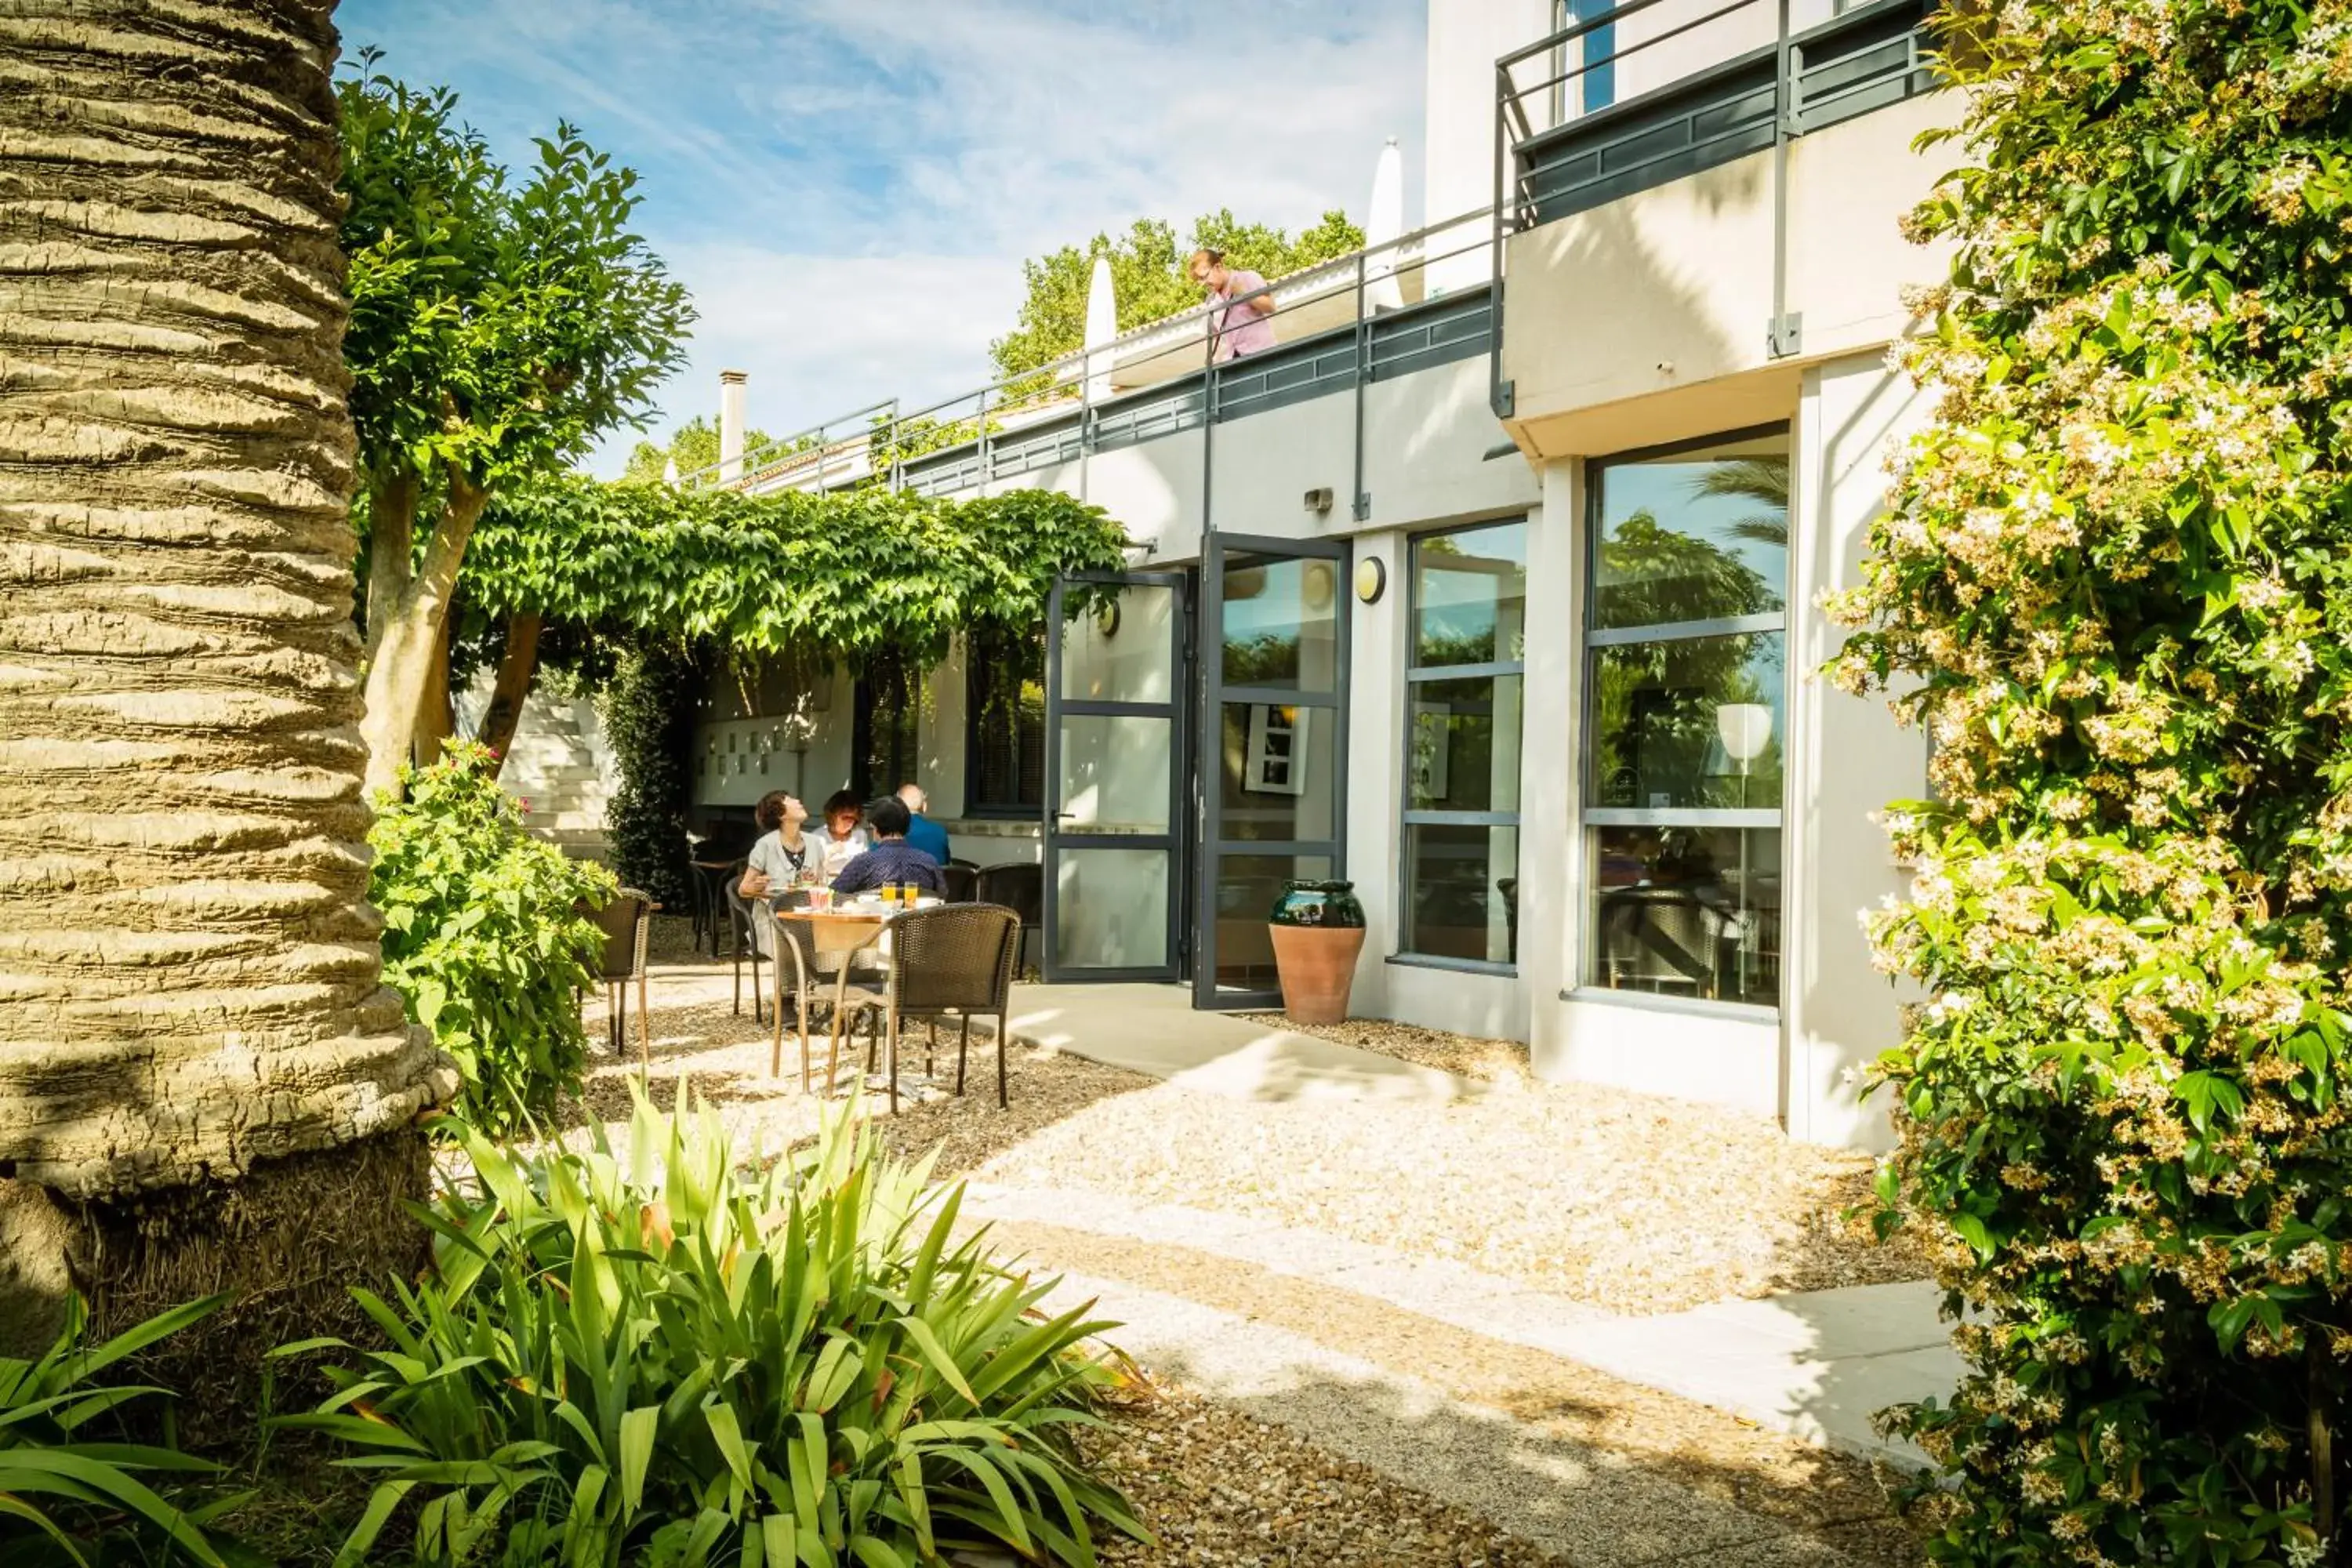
{"x": 1343, "y": 326}
{"x": 1631, "y": 96}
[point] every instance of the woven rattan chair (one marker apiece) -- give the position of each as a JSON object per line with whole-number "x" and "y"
{"x": 627, "y": 922}
{"x": 960, "y": 882}
{"x": 954, "y": 961}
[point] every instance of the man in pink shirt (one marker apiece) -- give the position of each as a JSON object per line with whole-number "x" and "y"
{"x": 1240, "y": 329}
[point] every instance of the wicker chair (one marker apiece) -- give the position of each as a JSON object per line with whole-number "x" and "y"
{"x": 954, "y": 961}
{"x": 961, "y": 882}
{"x": 1018, "y": 886}
{"x": 627, "y": 922}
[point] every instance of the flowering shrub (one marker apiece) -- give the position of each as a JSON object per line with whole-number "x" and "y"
{"x": 484, "y": 933}
{"x": 2116, "y": 585}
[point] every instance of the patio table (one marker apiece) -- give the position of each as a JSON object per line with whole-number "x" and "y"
{"x": 846, "y": 930}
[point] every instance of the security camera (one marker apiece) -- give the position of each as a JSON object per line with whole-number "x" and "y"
{"x": 1320, "y": 499}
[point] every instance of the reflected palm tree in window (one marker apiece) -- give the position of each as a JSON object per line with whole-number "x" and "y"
{"x": 1761, "y": 479}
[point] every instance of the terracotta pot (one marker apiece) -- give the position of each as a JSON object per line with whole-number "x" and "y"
{"x": 1317, "y": 965}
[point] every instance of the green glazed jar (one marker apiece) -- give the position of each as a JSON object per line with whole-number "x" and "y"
{"x": 1332, "y": 904}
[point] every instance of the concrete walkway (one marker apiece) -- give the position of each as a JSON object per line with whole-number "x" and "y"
{"x": 1816, "y": 1365}
{"x": 1155, "y": 1029}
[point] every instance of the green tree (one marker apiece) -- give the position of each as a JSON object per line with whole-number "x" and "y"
{"x": 692, "y": 446}
{"x": 498, "y": 329}
{"x": 1146, "y": 268}
{"x": 2117, "y": 583}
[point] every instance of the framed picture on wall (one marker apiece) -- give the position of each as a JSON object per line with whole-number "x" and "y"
{"x": 1275, "y": 762}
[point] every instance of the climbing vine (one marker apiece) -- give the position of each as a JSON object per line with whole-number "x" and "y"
{"x": 2116, "y": 583}
{"x": 647, "y": 711}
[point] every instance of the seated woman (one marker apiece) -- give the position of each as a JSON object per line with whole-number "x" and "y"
{"x": 892, "y": 858}
{"x": 842, "y": 839}
{"x": 784, "y": 859}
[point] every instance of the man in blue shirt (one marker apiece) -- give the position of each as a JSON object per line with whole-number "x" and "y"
{"x": 925, "y": 834}
{"x": 892, "y": 858}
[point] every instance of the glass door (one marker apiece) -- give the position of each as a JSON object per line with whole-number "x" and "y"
{"x": 1274, "y": 735}
{"x": 1114, "y": 772}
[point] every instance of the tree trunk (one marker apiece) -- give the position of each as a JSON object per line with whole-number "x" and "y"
{"x": 434, "y": 722}
{"x": 518, "y": 662}
{"x": 190, "y": 964}
{"x": 405, "y": 637}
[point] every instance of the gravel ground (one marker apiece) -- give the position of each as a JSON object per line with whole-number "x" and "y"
{"x": 1628, "y": 1202}
{"x": 1219, "y": 1487}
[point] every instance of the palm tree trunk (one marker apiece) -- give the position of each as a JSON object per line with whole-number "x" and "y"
{"x": 190, "y": 966}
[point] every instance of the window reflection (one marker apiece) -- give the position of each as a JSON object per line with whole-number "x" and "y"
{"x": 1281, "y": 623}
{"x": 1695, "y": 722}
{"x": 1470, "y": 595}
{"x": 1686, "y": 740}
{"x": 1463, "y": 702}
{"x": 1689, "y": 911}
{"x": 1692, "y": 539}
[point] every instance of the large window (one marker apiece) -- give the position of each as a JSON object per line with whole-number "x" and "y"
{"x": 1468, "y": 610}
{"x": 1005, "y": 762}
{"x": 1683, "y": 679}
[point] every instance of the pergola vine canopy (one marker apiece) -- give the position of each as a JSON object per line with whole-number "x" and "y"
{"x": 849, "y": 574}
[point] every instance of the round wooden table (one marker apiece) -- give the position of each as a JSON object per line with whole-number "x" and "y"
{"x": 845, "y": 929}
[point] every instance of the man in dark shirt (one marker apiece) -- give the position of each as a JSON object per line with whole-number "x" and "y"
{"x": 892, "y": 858}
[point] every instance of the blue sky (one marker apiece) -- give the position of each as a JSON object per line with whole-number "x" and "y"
{"x": 849, "y": 186}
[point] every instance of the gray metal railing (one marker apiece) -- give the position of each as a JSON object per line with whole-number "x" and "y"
{"x": 1386, "y": 315}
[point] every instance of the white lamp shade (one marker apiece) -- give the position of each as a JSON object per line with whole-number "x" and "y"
{"x": 1744, "y": 729}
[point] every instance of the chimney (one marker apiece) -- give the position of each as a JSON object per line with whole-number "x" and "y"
{"x": 730, "y": 425}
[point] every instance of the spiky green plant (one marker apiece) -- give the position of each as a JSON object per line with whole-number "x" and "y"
{"x": 65, "y": 1495}
{"x": 655, "y": 1357}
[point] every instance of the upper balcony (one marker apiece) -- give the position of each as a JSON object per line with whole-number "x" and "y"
{"x": 1695, "y": 197}
{"x": 1647, "y": 91}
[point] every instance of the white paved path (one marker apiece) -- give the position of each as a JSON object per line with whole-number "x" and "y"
{"x": 1815, "y": 1364}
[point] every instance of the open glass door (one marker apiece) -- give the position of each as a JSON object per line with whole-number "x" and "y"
{"x": 1274, "y": 730}
{"x": 1114, "y": 857}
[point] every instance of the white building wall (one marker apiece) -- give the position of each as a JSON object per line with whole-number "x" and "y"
{"x": 1465, "y": 38}
{"x": 1849, "y": 759}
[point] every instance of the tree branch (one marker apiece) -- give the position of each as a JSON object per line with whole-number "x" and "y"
{"x": 517, "y": 664}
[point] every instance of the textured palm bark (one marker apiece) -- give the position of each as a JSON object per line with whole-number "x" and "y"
{"x": 189, "y": 971}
